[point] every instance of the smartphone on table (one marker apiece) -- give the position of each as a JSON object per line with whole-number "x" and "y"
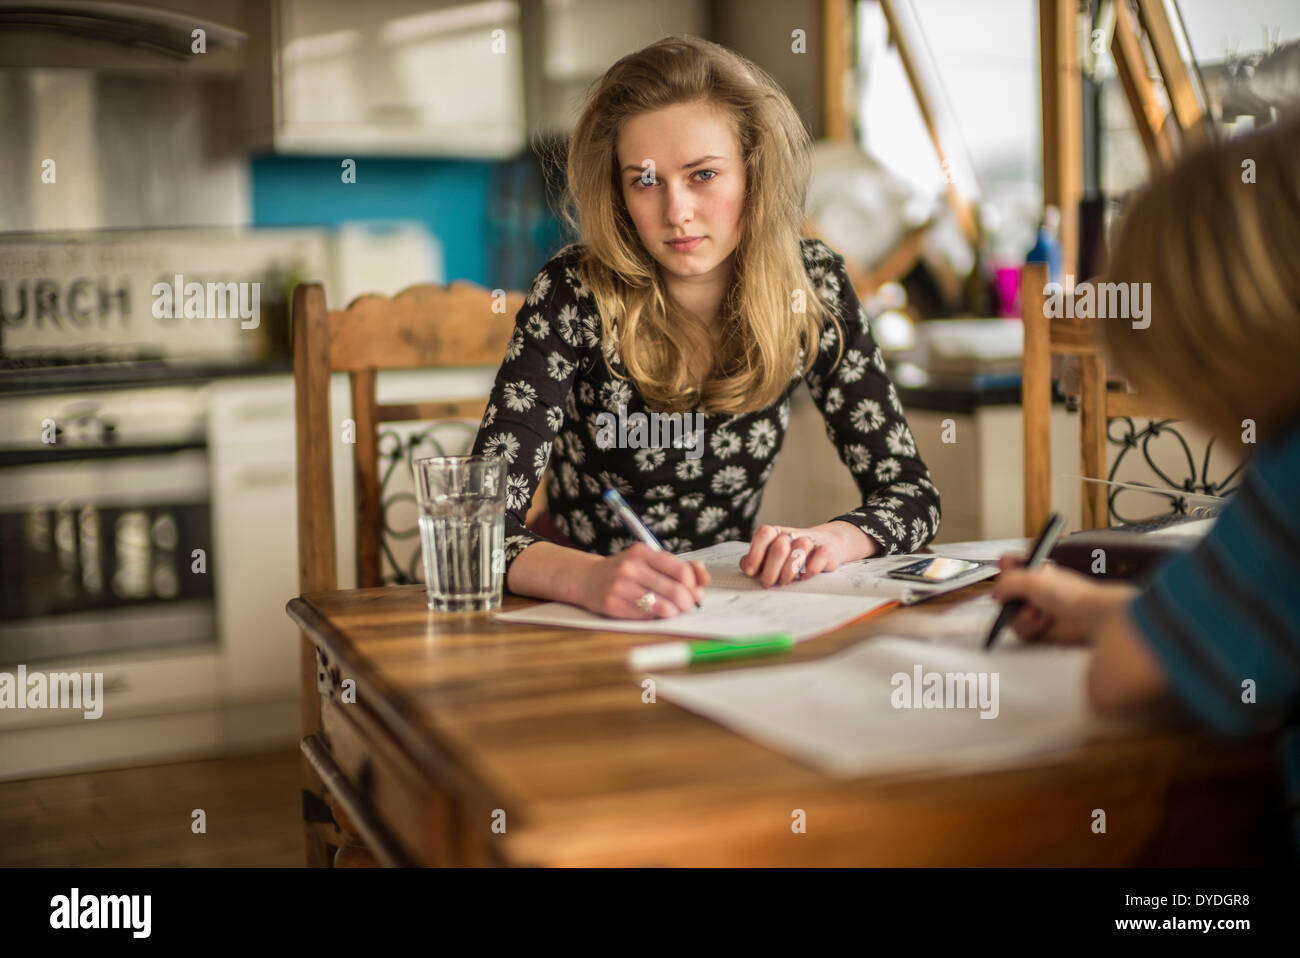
{"x": 934, "y": 569}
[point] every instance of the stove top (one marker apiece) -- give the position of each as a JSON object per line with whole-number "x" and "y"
{"x": 91, "y": 354}
{"x": 98, "y": 366}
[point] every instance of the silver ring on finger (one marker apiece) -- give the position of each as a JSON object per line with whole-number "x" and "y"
{"x": 798, "y": 559}
{"x": 646, "y": 603}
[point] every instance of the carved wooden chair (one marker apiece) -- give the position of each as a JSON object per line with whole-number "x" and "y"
{"x": 425, "y": 326}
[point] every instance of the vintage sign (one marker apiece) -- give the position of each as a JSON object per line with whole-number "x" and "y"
{"x": 177, "y": 293}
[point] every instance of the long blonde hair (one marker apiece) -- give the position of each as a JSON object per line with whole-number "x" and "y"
{"x": 1217, "y": 238}
{"x": 763, "y": 327}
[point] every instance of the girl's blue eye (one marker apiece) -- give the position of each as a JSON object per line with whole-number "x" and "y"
{"x": 641, "y": 182}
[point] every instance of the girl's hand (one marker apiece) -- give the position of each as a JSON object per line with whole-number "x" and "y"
{"x": 1061, "y": 605}
{"x": 615, "y": 583}
{"x": 780, "y": 554}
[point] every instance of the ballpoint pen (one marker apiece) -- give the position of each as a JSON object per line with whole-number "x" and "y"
{"x": 633, "y": 522}
{"x": 1037, "y": 556}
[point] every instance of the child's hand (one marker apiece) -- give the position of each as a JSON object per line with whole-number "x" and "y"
{"x": 1061, "y": 605}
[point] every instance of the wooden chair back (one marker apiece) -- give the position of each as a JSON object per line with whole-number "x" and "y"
{"x": 1045, "y": 337}
{"x": 425, "y": 326}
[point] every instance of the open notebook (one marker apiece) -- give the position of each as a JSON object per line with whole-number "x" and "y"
{"x": 735, "y": 605}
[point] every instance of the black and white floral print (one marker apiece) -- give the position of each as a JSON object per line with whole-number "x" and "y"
{"x": 553, "y": 385}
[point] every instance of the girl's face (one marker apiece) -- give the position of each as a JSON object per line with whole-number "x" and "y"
{"x": 683, "y": 180}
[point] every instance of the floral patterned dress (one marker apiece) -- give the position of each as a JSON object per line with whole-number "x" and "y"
{"x": 549, "y": 394}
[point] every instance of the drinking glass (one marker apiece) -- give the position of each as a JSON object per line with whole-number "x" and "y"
{"x": 462, "y": 506}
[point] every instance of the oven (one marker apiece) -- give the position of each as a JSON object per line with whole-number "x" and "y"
{"x": 105, "y": 513}
{"x": 146, "y": 531}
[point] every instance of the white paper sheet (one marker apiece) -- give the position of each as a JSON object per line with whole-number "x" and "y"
{"x": 838, "y": 714}
{"x": 725, "y": 614}
{"x": 965, "y": 624}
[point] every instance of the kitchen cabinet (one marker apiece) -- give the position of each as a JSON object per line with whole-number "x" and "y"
{"x": 255, "y": 533}
{"x": 571, "y": 43}
{"x": 446, "y": 79}
{"x": 392, "y": 77}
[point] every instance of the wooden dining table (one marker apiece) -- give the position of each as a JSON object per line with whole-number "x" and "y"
{"x": 461, "y": 739}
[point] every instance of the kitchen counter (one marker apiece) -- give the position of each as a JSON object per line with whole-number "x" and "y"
{"x": 951, "y": 396}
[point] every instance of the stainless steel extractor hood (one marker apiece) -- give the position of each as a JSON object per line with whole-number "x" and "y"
{"x": 99, "y": 35}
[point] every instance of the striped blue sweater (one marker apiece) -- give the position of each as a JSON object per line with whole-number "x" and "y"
{"x": 1224, "y": 618}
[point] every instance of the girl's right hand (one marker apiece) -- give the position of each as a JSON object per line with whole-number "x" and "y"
{"x": 614, "y": 584}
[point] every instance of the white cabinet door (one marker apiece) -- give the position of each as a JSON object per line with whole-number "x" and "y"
{"x": 581, "y": 39}
{"x": 257, "y": 568}
{"x": 254, "y": 531}
{"x": 400, "y": 76}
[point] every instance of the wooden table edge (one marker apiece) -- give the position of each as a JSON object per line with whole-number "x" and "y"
{"x": 439, "y": 761}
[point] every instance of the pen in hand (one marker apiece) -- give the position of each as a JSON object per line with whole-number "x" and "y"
{"x": 633, "y": 522}
{"x": 1037, "y": 556}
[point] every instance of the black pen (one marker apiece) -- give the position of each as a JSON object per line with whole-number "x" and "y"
{"x": 1037, "y": 556}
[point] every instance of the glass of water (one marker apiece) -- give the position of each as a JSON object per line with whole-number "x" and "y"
{"x": 462, "y": 503}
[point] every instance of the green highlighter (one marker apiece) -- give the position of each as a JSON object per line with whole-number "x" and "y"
{"x": 670, "y": 655}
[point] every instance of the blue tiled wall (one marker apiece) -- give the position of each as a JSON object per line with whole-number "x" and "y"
{"x": 450, "y": 196}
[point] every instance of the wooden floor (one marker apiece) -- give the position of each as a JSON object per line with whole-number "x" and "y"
{"x": 142, "y": 816}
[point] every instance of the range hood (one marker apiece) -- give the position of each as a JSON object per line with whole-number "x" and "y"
{"x": 89, "y": 34}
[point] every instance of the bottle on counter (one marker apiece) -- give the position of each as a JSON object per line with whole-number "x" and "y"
{"x": 1047, "y": 248}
